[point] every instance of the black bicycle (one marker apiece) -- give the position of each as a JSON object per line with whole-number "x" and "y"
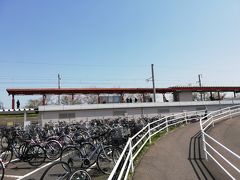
{"x": 61, "y": 171}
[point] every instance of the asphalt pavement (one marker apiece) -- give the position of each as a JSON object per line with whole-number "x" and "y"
{"x": 179, "y": 154}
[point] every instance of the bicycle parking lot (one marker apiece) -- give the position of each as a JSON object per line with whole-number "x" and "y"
{"x": 88, "y": 150}
{"x": 96, "y": 146}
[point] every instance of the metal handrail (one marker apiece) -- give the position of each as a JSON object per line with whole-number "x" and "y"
{"x": 151, "y": 131}
{"x": 233, "y": 153}
{"x": 219, "y": 111}
{"x": 119, "y": 159}
{"x": 139, "y": 132}
{"x": 158, "y": 125}
{"x": 225, "y": 159}
{"x": 205, "y": 124}
{"x": 219, "y": 164}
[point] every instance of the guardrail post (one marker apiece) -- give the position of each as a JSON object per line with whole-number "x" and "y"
{"x": 149, "y": 133}
{"x": 203, "y": 140}
{"x": 167, "y": 124}
{"x": 230, "y": 113}
{"x": 204, "y": 145}
{"x": 212, "y": 120}
{"x": 131, "y": 155}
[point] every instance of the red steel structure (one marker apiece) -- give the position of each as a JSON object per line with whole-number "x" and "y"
{"x": 121, "y": 91}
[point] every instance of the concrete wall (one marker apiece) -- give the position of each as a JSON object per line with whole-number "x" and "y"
{"x": 185, "y": 96}
{"x": 86, "y": 112}
{"x": 16, "y": 120}
{"x": 182, "y": 96}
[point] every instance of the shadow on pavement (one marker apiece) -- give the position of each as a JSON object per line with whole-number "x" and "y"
{"x": 196, "y": 158}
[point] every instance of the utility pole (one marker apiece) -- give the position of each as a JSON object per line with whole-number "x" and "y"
{"x": 200, "y": 84}
{"x": 59, "y": 79}
{"x": 153, "y": 81}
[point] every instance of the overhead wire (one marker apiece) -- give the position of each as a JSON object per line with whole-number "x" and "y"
{"x": 78, "y": 65}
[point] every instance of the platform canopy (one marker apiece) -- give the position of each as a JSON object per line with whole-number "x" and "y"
{"x": 72, "y": 91}
{"x": 56, "y": 91}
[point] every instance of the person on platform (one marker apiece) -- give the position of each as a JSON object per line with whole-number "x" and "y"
{"x": 136, "y": 100}
{"x": 18, "y": 104}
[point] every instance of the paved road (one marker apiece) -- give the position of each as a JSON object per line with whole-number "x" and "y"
{"x": 179, "y": 154}
{"x": 26, "y": 172}
{"x": 227, "y": 132}
{"x": 22, "y": 170}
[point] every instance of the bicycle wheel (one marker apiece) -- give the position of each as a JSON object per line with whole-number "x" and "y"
{"x": 87, "y": 151}
{"x": 2, "y": 170}
{"x": 72, "y": 156}
{"x": 36, "y": 155}
{"x": 53, "y": 149}
{"x": 22, "y": 153}
{"x": 80, "y": 175}
{"x": 4, "y": 142}
{"x": 107, "y": 158}
{"x": 59, "y": 170}
{"x": 67, "y": 140}
{"x": 16, "y": 143}
{"x": 6, "y": 157}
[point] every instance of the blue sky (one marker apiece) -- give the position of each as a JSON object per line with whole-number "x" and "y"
{"x": 94, "y": 43}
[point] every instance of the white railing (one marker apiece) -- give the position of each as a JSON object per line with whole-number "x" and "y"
{"x": 208, "y": 121}
{"x": 136, "y": 143}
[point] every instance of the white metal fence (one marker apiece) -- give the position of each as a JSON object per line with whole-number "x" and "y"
{"x": 208, "y": 142}
{"x": 135, "y": 144}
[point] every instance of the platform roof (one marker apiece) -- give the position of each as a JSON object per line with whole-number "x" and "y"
{"x": 56, "y": 91}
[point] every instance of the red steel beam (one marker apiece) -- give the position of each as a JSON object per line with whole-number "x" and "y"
{"x": 56, "y": 91}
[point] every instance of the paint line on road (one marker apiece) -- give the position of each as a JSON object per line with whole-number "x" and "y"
{"x": 14, "y": 160}
{"x": 12, "y": 176}
{"x": 38, "y": 169}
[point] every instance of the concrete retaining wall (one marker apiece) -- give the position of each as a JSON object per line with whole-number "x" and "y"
{"x": 86, "y": 112}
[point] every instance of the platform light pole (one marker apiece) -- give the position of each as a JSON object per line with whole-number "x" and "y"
{"x": 153, "y": 81}
{"x": 59, "y": 86}
{"x": 200, "y": 84}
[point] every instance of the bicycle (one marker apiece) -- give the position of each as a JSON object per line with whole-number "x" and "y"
{"x": 29, "y": 152}
{"x": 86, "y": 154}
{"x": 2, "y": 169}
{"x": 60, "y": 170}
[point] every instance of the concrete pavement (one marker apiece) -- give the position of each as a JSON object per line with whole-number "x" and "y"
{"x": 179, "y": 154}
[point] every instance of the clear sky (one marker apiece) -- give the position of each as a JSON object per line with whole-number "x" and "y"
{"x": 106, "y": 43}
